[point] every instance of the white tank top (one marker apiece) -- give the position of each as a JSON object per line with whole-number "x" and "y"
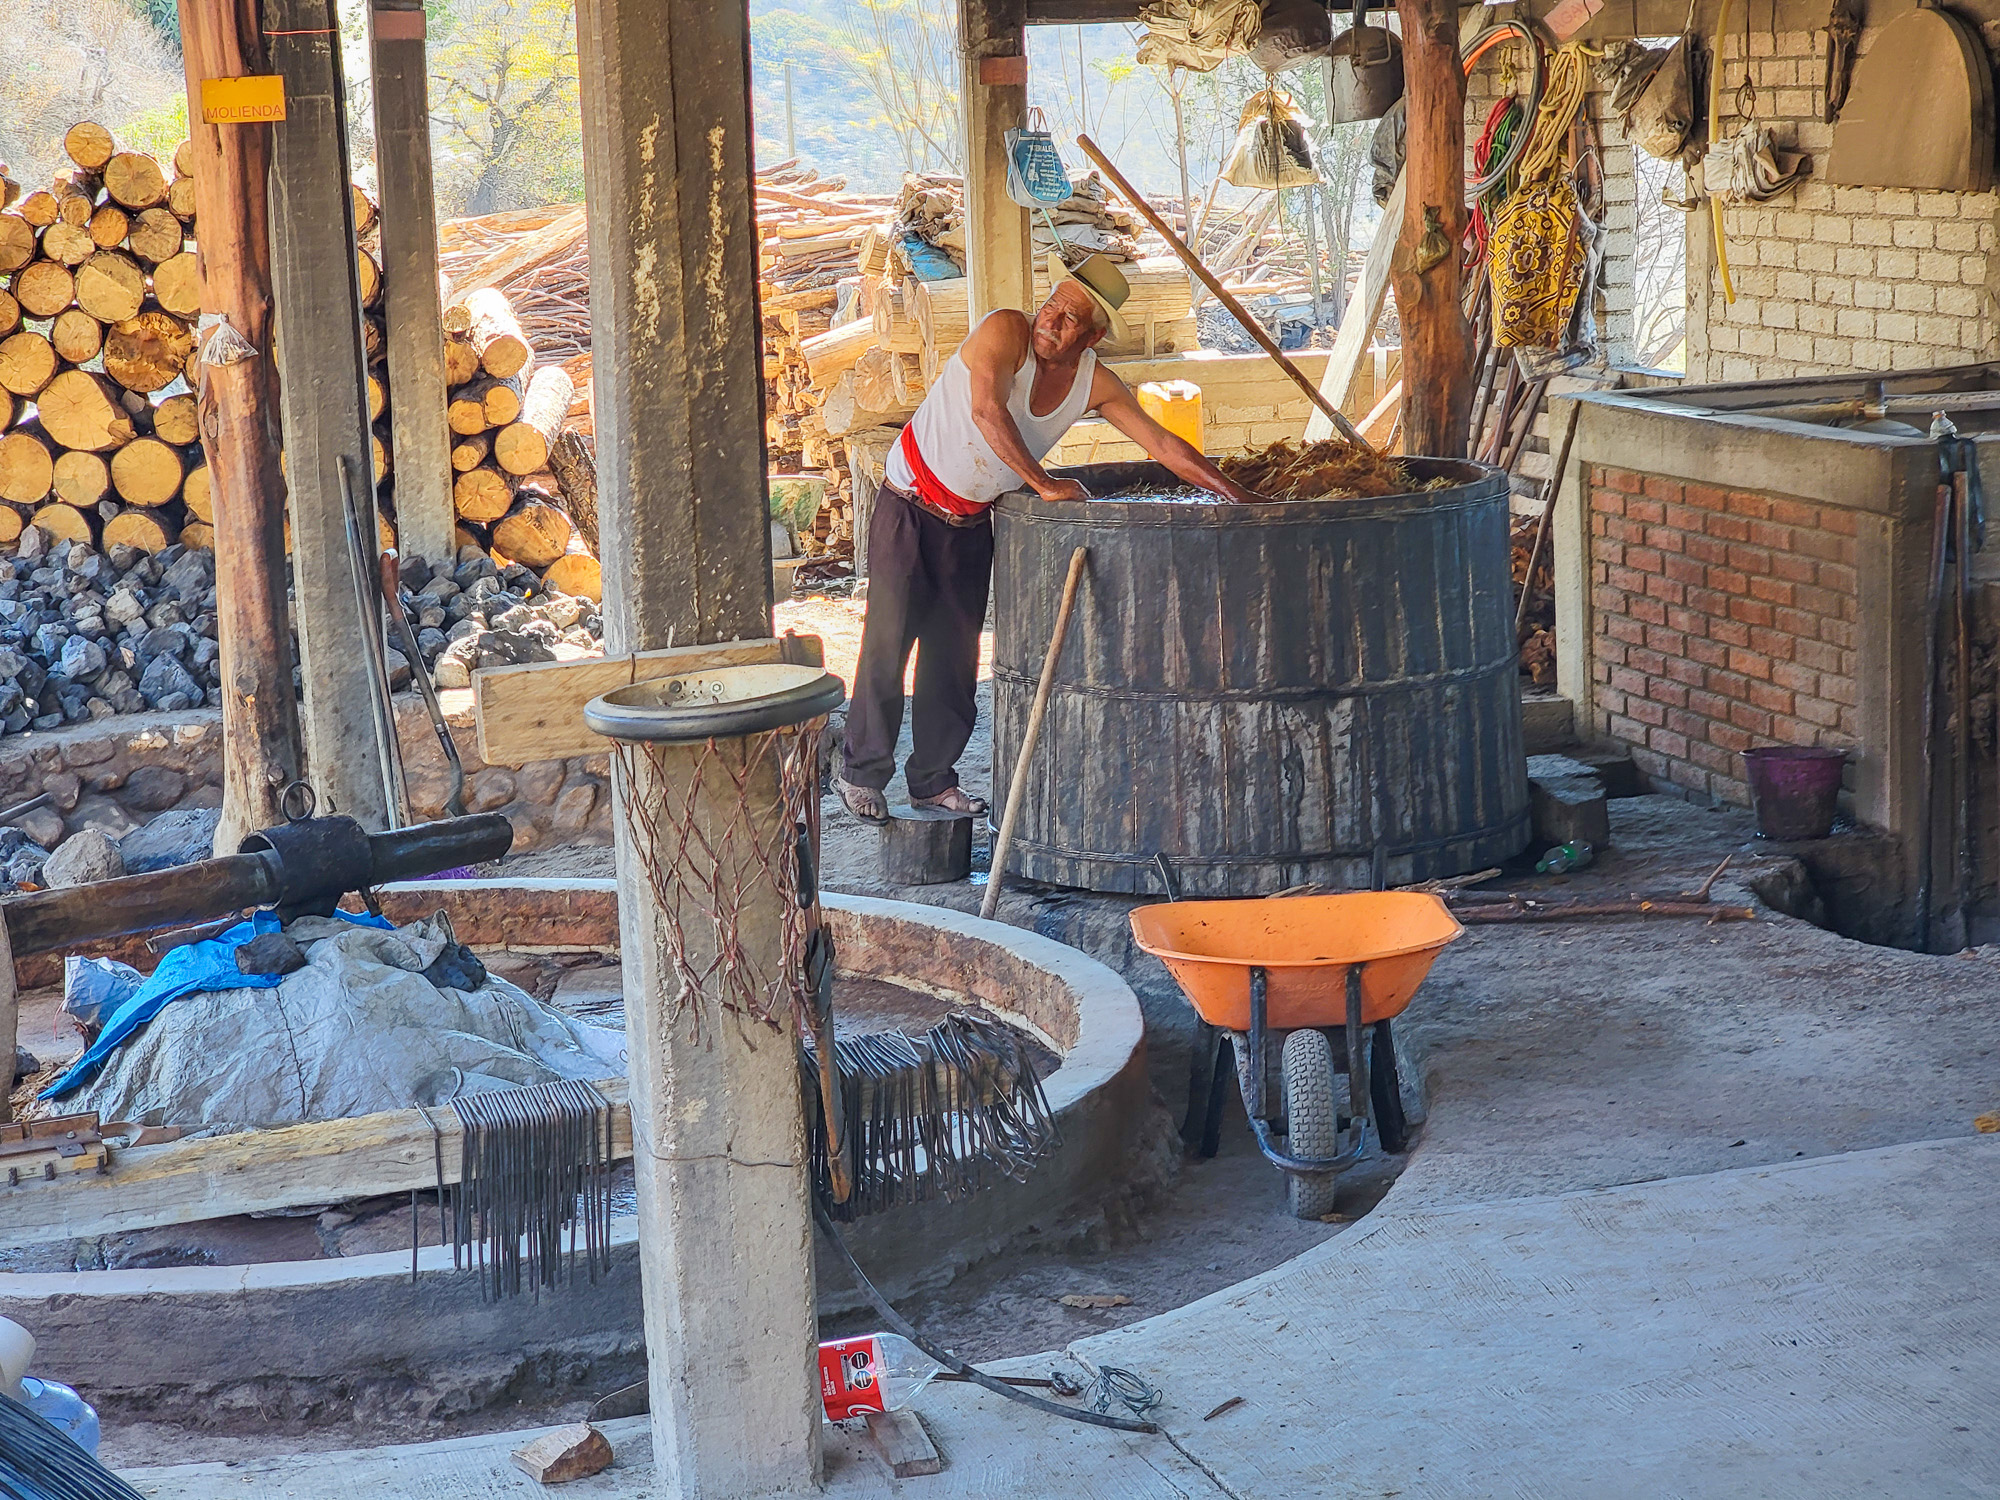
{"x": 957, "y": 452}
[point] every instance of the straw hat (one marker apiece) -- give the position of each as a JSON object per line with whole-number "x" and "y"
{"x": 1105, "y": 283}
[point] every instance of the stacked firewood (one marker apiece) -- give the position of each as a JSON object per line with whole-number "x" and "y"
{"x": 931, "y": 206}
{"x": 524, "y": 484}
{"x": 98, "y": 439}
{"x": 820, "y": 243}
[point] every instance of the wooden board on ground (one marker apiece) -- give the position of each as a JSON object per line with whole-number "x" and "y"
{"x": 535, "y": 712}
{"x": 254, "y": 1171}
{"x": 904, "y": 1443}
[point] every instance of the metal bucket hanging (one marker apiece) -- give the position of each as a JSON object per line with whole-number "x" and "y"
{"x": 1366, "y": 76}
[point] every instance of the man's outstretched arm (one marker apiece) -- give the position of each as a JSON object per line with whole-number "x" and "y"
{"x": 1118, "y": 406}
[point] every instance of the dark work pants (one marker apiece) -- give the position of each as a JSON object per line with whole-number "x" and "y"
{"x": 927, "y": 584}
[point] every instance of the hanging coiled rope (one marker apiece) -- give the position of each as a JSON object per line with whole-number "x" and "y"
{"x": 1548, "y": 140}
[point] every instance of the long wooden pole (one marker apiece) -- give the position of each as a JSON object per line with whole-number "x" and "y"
{"x": 1017, "y": 784}
{"x": 1236, "y": 309}
{"x": 1550, "y": 489}
{"x": 1437, "y": 341}
{"x": 238, "y": 403}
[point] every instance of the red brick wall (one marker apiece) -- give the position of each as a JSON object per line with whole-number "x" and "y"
{"x": 1722, "y": 619}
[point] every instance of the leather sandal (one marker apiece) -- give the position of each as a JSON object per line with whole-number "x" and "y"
{"x": 865, "y": 802}
{"x": 954, "y": 799}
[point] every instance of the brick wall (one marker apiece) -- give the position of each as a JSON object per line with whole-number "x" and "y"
{"x": 1722, "y": 619}
{"x": 1832, "y": 279}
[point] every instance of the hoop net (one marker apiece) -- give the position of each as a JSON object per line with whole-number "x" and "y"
{"x": 715, "y": 848}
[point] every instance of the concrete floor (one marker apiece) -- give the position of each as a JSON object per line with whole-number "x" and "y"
{"x": 1697, "y": 1211}
{"x": 1823, "y": 1328}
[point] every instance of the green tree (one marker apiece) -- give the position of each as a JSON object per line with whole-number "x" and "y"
{"x": 504, "y": 98}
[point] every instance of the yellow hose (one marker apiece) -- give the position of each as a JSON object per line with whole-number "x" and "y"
{"x": 1714, "y": 131}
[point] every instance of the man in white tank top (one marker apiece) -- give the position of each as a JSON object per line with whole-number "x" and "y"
{"x": 1000, "y": 404}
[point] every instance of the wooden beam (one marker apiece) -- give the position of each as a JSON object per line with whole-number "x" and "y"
{"x": 678, "y": 384}
{"x": 322, "y": 385}
{"x": 1437, "y": 340}
{"x": 998, "y": 258}
{"x": 261, "y": 752}
{"x": 411, "y": 309}
{"x": 1357, "y": 325}
{"x": 255, "y": 1171}
{"x": 535, "y": 712}
{"x": 725, "y": 1234}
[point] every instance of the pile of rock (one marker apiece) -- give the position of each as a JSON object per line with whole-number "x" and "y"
{"x": 479, "y": 614}
{"x": 177, "y": 837}
{"x": 86, "y": 634}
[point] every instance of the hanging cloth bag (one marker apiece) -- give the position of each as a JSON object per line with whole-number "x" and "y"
{"x": 1271, "y": 149}
{"x": 1036, "y": 177}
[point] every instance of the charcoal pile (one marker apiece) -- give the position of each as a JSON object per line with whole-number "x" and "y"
{"x": 85, "y": 634}
{"x": 479, "y": 613}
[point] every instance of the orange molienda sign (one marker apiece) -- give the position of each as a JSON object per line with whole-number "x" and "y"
{"x": 242, "y": 101}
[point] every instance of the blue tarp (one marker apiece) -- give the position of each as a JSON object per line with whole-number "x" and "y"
{"x": 187, "y": 970}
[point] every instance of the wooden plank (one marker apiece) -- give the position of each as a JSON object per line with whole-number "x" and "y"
{"x": 322, "y": 386}
{"x": 1362, "y": 312}
{"x": 261, "y": 750}
{"x": 411, "y": 308}
{"x": 904, "y": 1443}
{"x": 254, "y": 1171}
{"x": 10, "y": 1022}
{"x": 535, "y": 712}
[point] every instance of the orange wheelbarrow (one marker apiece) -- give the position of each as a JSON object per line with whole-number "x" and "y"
{"x": 1318, "y": 971}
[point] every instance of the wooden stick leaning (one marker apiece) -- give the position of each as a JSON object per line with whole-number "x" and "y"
{"x": 1236, "y": 309}
{"x": 1550, "y": 489}
{"x": 1017, "y": 785}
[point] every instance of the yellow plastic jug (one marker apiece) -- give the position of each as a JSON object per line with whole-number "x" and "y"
{"x": 1176, "y": 406}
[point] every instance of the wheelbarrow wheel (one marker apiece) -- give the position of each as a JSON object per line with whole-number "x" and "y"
{"x": 1311, "y": 1120}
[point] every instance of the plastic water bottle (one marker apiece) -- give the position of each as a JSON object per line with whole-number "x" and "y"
{"x": 876, "y": 1372}
{"x": 64, "y": 1410}
{"x": 1575, "y": 855}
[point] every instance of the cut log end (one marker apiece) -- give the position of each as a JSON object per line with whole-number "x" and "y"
{"x": 143, "y": 529}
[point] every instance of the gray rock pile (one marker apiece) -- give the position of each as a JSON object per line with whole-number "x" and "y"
{"x": 86, "y": 634}
{"x": 477, "y": 614}
{"x": 179, "y": 837}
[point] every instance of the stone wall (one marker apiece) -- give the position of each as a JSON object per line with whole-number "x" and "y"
{"x": 1831, "y": 279}
{"x": 117, "y": 774}
{"x": 548, "y": 801}
{"x": 1722, "y": 619}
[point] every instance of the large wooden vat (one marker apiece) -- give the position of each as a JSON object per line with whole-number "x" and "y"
{"x": 1268, "y": 695}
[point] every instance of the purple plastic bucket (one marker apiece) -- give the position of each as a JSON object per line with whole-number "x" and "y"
{"x": 1795, "y": 789}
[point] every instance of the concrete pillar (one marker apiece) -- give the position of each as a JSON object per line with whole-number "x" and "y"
{"x": 993, "y": 94}
{"x": 412, "y": 315}
{"x": 719, "y": 1144}
{"x": 322, "y": 390}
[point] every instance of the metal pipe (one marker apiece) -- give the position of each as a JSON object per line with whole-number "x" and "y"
{"x": 1357, "y": 1068}
{"x": 1253, "y": 1081}
{"x": 187, "y": 894}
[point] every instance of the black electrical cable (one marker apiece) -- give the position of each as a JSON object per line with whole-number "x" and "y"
{"x": 37, "y": 1462}
{"x": 945, "y": 1357}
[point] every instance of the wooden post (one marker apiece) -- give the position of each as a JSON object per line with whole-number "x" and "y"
{"x": 718, "y": 1122}
{"x": 411, "y": 306}
{"x": 993, "y": 98}
{"x": 239, "y": 427}
{"x": 322, "y": 388}
{"x": 1437, "y": 341}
